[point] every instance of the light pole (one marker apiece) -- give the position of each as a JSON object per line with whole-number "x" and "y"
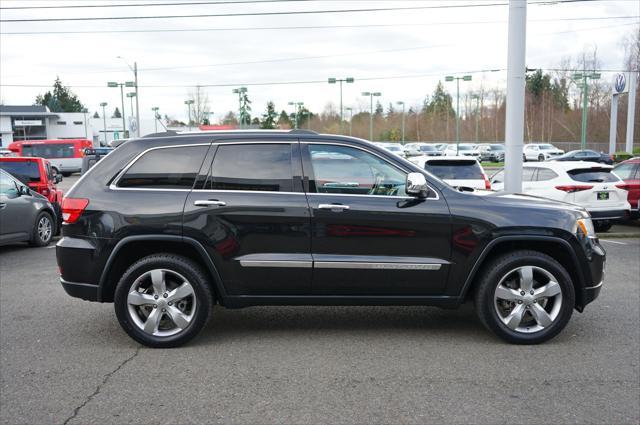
{"x": 134, "y": 69}
{"x": 585, "y": 97}
{"x": 371, "y": 95}
{"x": 104, "y": 121}
{"x": 240, "y": 91}
{"x": 121, "y": 85}
{"x": 477, "y": 98}
{"x": 341, "y": 80}
{"x": 131, "y": 96}
{"x": 189, "y": 103}
{"x": 350, "y": 109}
{"x": 402, "y": 103}
{"x": 155, "y": 110}
{"x": 296, "y": 108}
{"x": 450, "y": 78}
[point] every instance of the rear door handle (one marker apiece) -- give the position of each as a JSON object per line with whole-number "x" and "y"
{"x": 333, "y": 207}
{"x": 209, "y": 203}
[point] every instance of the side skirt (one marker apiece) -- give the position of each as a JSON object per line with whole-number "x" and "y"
{"x": 240, "y": 301}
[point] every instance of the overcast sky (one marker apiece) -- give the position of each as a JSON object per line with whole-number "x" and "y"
{"x": 426, "y": 44}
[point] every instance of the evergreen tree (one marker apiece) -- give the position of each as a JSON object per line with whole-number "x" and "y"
{"x": 284, "y": 121}
{"x": 96, "y": 115}
{"x": 62, "y": 99}
{"x": 441, "y": 102}
{"x": 245, "y": 109}
{"x": 116, "y": 113}
{"x": 269, "y": 117}
{"x": 379, "y": 109}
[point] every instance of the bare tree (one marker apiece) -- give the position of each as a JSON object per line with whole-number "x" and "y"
{"x": 200, "y": 108}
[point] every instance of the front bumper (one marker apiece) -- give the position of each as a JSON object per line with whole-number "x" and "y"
{"x": 596, "y": 260}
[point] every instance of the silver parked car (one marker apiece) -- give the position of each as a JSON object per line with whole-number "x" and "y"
{"x": 25, "y": 215}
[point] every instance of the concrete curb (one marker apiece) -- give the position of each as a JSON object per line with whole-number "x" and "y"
{"x": 618, "y": 235}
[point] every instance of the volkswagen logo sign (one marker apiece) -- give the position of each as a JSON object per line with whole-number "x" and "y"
{"x": 619, "y": 83}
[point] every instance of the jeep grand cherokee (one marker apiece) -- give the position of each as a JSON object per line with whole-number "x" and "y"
{"x": 168, "y": 226}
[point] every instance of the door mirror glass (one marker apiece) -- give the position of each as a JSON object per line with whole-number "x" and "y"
{"x": 417, "y": 185}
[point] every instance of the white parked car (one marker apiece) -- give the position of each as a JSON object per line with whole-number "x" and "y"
{"x": 457, "y": 171}
{"x": 395, "y": 148}
{"x": 540, "y": 152}
{"x": 589, "y": 185}
{"x": 463, "y": 149}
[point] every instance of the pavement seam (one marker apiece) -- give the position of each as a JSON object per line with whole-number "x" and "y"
{"x": 105, "y": 379}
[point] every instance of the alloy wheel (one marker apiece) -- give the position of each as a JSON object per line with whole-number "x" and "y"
{"x": 45, "y": 229}
{"x": 161, "y": 302}
{"x": 528, "y": 299}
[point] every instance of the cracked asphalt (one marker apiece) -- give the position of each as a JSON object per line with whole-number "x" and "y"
{"x": 66, "y": 361}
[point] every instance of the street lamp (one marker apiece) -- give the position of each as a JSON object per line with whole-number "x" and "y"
{"x": 155, "y": 110}
{"x": 131, "y": 96}
{"x": 350, "y": 109}
{"x": 347, "y": 80}
{"x": 477, "y": 98}
{"x": 134, "y": 69}
{"x": 402, "y": 103}
{"x": 240, "y": 92}
{"x": 121, "y": 85}
{"x": 104, "y": 121}
{"x": 189, "y": 103}
{"x": 297, "y": 106}
{"x": 371, "y": 95}
{"x": 450, "y": 78}
{"x": 585, "y": 94}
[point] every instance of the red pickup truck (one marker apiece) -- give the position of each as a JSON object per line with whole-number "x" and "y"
{"x": 36, "y": 173}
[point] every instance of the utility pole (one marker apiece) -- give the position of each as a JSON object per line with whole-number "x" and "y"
{"x": 450, "y": 78}
{"x": 104, "y": 121}
{"x": 189, "y": 103}
{"x": 341, "y": 80}
{"x": 477, "y": 98}
{"x": 240, "y": 91}
{"x": 155, "y": 110}
{"x": 585, "y": 99}
{"x": 134, "y": 69}
{"x": 371, "y": 95}
{"x": 514, "y": 126}
{"x": 122, "y": 85}
{"x": 402, "y": 103}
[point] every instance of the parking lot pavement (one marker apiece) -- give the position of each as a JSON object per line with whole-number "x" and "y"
{"x": 67, "y": 182}
{"x": 65, "y": 360}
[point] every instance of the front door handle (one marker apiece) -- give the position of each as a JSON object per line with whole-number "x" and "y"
{"x": 333, "y": 207}
{"x": 209, "y": 203}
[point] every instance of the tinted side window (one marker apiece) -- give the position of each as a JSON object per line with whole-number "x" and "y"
{"x": 545, "y": 174}
{"x": 256, "y": 167}
{"x": 346, "y": 170}
{"x": 53, "y": 150}
{"x": 166, "y": 168}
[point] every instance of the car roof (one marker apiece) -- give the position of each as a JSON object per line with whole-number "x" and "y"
{"x": 566, "y": 165}
{"x": 452, "y": 158}
{"x": 22, "y": 159}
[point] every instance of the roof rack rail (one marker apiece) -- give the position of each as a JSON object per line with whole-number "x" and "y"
{"x": 162, "y": 134}
{"x": 302, "y": 131}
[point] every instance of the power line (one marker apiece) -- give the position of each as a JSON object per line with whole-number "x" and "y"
{"x": 280, "y": 13}
{"x": 309, "y": 27}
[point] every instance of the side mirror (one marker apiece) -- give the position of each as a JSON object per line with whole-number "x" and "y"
{"x": 417, "y": 185}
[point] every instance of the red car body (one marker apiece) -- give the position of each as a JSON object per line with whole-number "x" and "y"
{"x": 629, "y": 171}
{"x": 36, "y": 173}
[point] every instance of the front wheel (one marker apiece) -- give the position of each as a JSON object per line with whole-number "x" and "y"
{"x": 525, "y": 297}
{"x": 163, "y": 300}
{"x": 42, "y": 230}
{"x": 540, "y": 158}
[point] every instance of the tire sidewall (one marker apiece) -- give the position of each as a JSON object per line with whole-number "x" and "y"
{"x": 36, "y": 240}
{"x": 487, "y": 292}
{"x": 180, "y": 265}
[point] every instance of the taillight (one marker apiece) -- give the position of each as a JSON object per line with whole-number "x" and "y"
{"x": 72, "y": 208}
{"x": 623, "y": 186}
{"x": 574, "y": 188}
{"x": 487, "y": 183}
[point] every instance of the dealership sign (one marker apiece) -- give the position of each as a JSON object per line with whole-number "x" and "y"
{"x": 26, "y": 123}
{"x": 620, "y": 84}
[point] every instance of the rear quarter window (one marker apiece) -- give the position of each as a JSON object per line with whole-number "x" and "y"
{"x": 165, "y": 168}
{"x": 593, "y": 175}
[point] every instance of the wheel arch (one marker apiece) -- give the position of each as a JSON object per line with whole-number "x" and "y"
{"x": 132, "y": 248}
{"x": 556, "y": 247}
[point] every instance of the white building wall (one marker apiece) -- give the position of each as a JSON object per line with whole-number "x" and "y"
{"x": 5, "y": 131}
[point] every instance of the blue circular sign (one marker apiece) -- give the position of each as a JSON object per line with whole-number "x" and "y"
{"x": 620, "y": 83}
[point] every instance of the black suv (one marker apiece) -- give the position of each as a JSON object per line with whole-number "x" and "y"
{"x": 169, "y": 225}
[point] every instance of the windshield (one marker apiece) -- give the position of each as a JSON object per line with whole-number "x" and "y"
{"x": 497, "y": 147}
{"x": 27, "y": 171}
{"x": 455, "y": 170}
{"x": 393, "y": 148}
{"x": 546, "y": 147}
{"x": 427, "y": 148}
{"x": 462, "y": 147}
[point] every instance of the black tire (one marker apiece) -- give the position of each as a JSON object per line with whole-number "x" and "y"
{"x": 524, "y": 158}
{"x": 495, "y": 270}
{"x": 54, "y": 171}
{"x": 177, "y": 264}
{"x": 66, "y": 174}
{"x": 42, "y": 238}
{"x": 540, "y": 158}
{"x": 602, "y": 226}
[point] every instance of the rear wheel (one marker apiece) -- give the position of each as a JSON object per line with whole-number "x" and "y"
{"x": 602, "y": 225}
{"x": 43, "y": 230}
{"x": 525, "y": 297}
{"x": 163, "y": 300}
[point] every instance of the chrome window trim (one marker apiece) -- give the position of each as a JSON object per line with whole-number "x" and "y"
{"x": 404, "y": 170}
{"x": 277, "y": 263}
{"x": 246, "y": 191}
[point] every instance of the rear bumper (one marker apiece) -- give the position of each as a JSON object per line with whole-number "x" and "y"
{"x": 85, "y": 291}
{"x": 609, "y": 214}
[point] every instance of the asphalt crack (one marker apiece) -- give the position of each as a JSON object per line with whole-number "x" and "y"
{"x": 101, "y": 384}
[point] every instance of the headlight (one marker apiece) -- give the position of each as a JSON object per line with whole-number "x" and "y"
{"x": 585, "y": 225}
